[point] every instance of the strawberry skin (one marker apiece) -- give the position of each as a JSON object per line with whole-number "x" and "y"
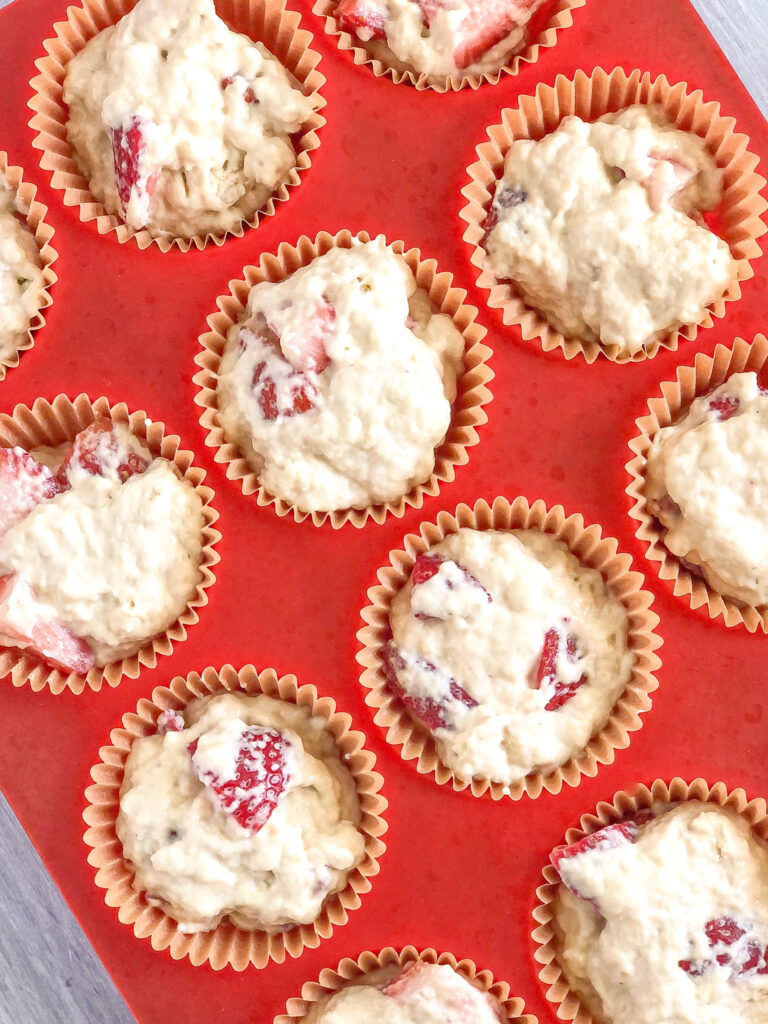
{"x": 24, "y": 483}
{"x": 725, "y": 406}
{"x": 723, "y": 934}
{"x": 364, "y": 18}
{"x": 24, "y": 620}
{"x": 430, "y": 712}
{"x": 260, "y": 780}
{"x": 557, "y": 644}
{"x": 129, "y": 147}
{"x": 100, "y": 449}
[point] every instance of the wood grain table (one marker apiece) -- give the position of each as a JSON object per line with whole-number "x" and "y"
{"x": 49, "y": 973}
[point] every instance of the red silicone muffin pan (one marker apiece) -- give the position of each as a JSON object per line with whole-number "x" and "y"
{"x": 459, "y": 873}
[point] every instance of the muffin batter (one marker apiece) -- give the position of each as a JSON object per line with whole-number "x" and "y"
{"x": 21, "y": 278}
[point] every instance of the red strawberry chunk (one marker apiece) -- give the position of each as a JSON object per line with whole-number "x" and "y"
{"x": 129, "y": 147}
{"x": 364, "y": 18}
{"x": 249, "y": 96}
{"x": 306, "y": 352}
{"x": 260, "y": 779}
{"x": 557, "y": 644}
{"x": 725, "y": 406}
{"x": 458, "y": 1000}
{"x": 725, "y": 936}
{"x": 424, "y": 568}
{"x": 505, "y": 199}
{"x": 430, "y": 712}
{"x": 608, "y": 838}
{"x": 24, "y": 620}
{"x": 486, "y": 23}
{"x": 24, "y": 483}
{"x": 102, "y": 450}
{"x": 170, "y": 721}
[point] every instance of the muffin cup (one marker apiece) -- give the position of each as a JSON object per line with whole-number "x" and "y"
{"x": 589, "y": 97}
{"x": 266, "y": 21}
{"x": 226, "y": 944}
{"x": 350, "y": 972}
{"x": 471, "y": 390}
{"x": 54, "y": 423}
{"x": 544, "y": 36}
{"x": 625, "y": 805}
{"x": 592, "y": 549}
{"x": 34, "y": 214}
{"x": 707, "y": 373}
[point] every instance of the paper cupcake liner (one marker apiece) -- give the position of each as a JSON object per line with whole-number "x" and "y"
{"x": 349, "y": 972}
{"x": 471, "y": 387}
{"x": 266, "y": 21}
{"x": 54, "y": 423}
{"x": 593, "y": 550}
{"x": 34, "y": 213}
{"x": 707, "y": 373}
{"x": 589, "y": 97}
{"x": 227, "y": 944}
{"x": 545, "y": 36}
{"x": 625, "y": 805}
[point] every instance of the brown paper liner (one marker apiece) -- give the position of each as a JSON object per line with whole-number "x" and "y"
{"x": 266, "y": 21}
{"x": 589, "y": 97}
{"x": 471, "y": 387}
{"x": 226, "y": 944}
{"x": 707, "y": 373}
{"x": 560, "y": 17}
{"x": 625, "y": 804}
{"x": 349, "y": 972}
{"x": 34, "y": 213}
{"x": 593, "y": 550}
{"x": 54, "y": 423}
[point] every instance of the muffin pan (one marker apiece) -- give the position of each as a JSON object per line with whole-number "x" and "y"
{"x": 459, "y": 874}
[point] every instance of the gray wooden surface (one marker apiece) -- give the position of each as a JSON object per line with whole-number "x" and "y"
{"x": 48, "y": 972}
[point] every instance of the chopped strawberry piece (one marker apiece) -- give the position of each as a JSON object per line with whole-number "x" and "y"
{"x": 667, "y": 506}
{"x": 505, "y": 199}
{"x": 620, "y": 834}
{"x": 260, "y": 779}
{"x": 424, "y": 568}
{"x": 485, "y": 24}
{"x": 668, "y": 177}
{"x": 431, "y": 713}
{"x": 103, "y": 449}
{"x": 248, "y": 95}
{"x": 24, "y": 483}
{"x": 129, "y": 147}
{"x": 170, "y": 721}
{"x": 285, "y": 382}
{"x": 458, "y": 1000}
{"x": 725, "y": 935}
{"x": 364, "y": 18}
{"x": 25, "y": 621}
{"x": 557, "y": 644}
{"x": 725, "y": 406}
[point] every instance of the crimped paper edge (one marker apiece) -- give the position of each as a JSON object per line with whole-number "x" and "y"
{"x": 35, "y": 213}
{"x": 350, "y": 971}
{"x": 54, "y": 423}
{"x": 561, "y": 18}
{"x": 49, "y": 118}
{"x": 625, "y": 803}
{"x": 227, "y": 945}
{"x": 593, "y": 549}
{"x": 706, "y": 374}
{"x": 467, "y": 410}
{"x": 591, "y": 96}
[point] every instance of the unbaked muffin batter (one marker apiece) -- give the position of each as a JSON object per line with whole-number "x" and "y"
{"x": 21, "y": 278}
{"x": 599, "y": 227}
{"x": 239, "y": 807}
{"x": 667, "y": 922}
{"x": 421, "y": 993}
{"x": 509, "y": 649}
{"x": 338, "y": 383}
{"x": 181, "y": 125}
{"x": 707, "y": 483}
{"x": 438, "y": 37}
{"x": 104, "y": 547}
